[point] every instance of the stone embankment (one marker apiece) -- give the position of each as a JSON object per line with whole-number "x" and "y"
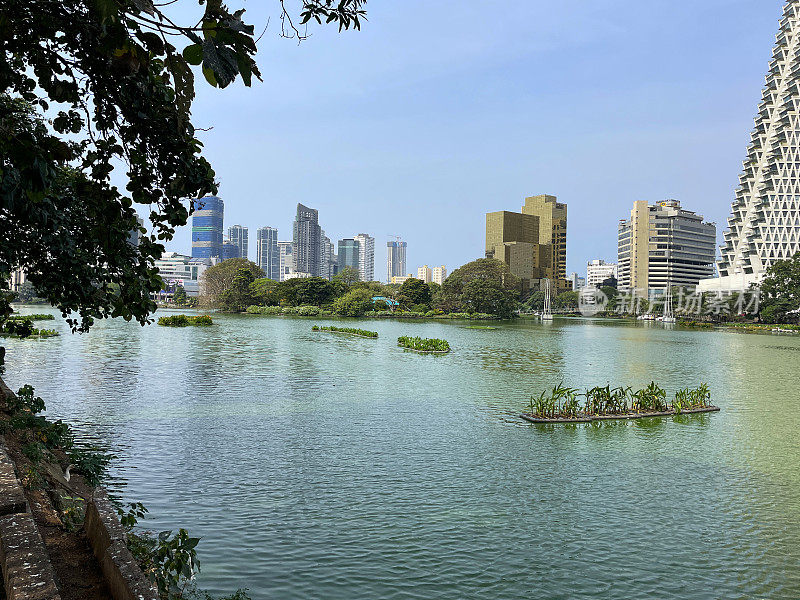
{"x": 40, "y": 559}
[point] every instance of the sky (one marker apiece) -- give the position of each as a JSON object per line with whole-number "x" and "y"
{"x": 436, "y": 113}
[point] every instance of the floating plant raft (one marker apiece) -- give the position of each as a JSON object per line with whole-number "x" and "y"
{"x": 562, "y": 405}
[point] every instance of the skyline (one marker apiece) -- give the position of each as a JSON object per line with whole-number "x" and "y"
{"x": 388, "y": 142}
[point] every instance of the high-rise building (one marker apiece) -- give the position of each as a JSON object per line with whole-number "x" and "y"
{"x": 286, "y": 265}
{"x": 229, "y": 250}
{"x": 597, "y": 271}
{"x": 327, "y": 258}
{"x": 552, "y": 234}
{"x": 577, "y": 281}
{"x": 366, "y": 256}
{"x": 439, "y": 274}
{"x": 395, "y": 259}
{"x": 664, "y": 245}
{"x": 239, "y": 235}
{"x": 764, "y": 226}
{"x": 307, "y": 241}
{"x": 348, "y": 255}
{"x": 267, "y": 253}
{"x": 532, "y": 242}
{"x": 207, "y": 227}
{"x": 425, "y": 273}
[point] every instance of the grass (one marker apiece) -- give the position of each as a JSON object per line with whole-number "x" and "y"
{"x": 423, "y": 344}
{"x": 347, "y": 330}
{"x": 563, "y": 403}
{"x": 185, "y": 321}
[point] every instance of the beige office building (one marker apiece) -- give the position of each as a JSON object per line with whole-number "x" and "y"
{"x": 532, "y": 243}
{"x": 425, "y": 273}
{"x": 664, "y": 245}
{"x": 439, "y": 274}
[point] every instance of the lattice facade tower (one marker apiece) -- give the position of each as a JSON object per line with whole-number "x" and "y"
{"x": 764, "y": 226}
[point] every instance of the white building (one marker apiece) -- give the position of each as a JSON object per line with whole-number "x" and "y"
{"x": 366, "y": 256}
{"x": 286, "y": 260}
{"x": 664, "y": 245}
{"x": 439, "y": 274}
{"x": 597, "y": 271}
{"x": 425, "y": 273}
{"x": 185, "y": 271}
{"x": 577, "y": 281}
{"x": 764, "y": 226}
{"x": 17, "y": 280}
{"x": 401, "y": 278}
{"x": 297, "y": 275}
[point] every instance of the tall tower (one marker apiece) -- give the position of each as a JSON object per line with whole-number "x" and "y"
{"x": 552, "y": 233}
{"x": 307, "y": 241}
{"x": 366, "y": 256}
{"x": 764, "y": 225}
{"x": 267, "y": 254}
{"x": 240, "y": 236}
{"x": 395, "y": 259}
{"x": 207, "y": 227}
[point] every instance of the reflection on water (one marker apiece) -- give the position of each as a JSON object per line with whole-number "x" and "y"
{"x": 322, "y": 466}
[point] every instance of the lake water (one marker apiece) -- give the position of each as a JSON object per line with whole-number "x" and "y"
{"x": 332, "y": 467}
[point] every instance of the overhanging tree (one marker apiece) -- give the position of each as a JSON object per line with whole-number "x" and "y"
{"x": 90, "y": 86}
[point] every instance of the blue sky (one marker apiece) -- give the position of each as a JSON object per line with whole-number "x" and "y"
{"x": 438, "y": 112}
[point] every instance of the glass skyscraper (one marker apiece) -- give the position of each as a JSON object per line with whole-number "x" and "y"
{"x": 207, "y": 227}
{"x": 267, "y": 253}
{"x": 349, "y": 251}
{"x": 395, "y": 259}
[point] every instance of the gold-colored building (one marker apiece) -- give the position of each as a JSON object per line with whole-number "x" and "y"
{"x": 532, "y": 243}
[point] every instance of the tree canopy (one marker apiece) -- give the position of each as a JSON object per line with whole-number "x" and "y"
{"x": 217, "y": 280}
{"x": 92, "y": 85}
{"x": 485, "y": 285}
{"x": 780, "y": 291}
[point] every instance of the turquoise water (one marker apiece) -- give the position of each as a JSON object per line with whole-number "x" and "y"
{"x": 332, "y": 467}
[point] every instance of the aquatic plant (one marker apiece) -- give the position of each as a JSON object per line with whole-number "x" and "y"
{"x": 348, "y": 330}
{"x": 33, "y": 317}
{"x": 650, "y": 399}
{"x": 562, "y": 402}
{"x": 423, "y": 345}
{"x": 185, "y": 321}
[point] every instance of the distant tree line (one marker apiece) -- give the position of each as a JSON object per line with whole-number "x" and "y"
{"x": 483, "y": 286}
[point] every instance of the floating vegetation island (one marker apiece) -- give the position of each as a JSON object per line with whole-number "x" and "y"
{"x": 185, "y": 321}
{"x": 564, "y": 405}
{"x": 347, "y": 331}
{"x": 487, "y": 327}
{"x": 424, "y": 346}
{"x": 21, "y": 326}
{"x": 33, "y": 317}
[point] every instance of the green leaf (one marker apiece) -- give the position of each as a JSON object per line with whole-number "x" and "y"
{"x": 209, "y": 75}
{"x": 193, "y": 54}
